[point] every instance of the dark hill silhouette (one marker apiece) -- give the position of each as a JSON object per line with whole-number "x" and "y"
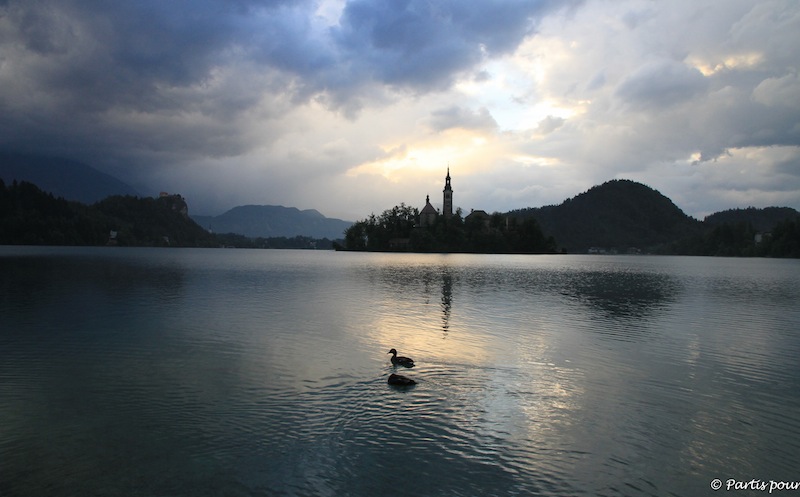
{"x": 274, "y": 221}
{"x": 63, "y": 178}
{"x": 29, "y": 216}
{"x": 619, "y": 215}
{"x": 79, "y": 182}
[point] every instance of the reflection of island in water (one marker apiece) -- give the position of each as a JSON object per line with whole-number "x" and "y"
{"x": 622, "y": 295}
{"x": 447, "y": 298}
{"x": 432, "y": 279}
{"x": 612, "y": 295}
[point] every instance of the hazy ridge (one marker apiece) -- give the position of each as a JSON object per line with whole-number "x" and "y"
{"x": 274, "y": 221}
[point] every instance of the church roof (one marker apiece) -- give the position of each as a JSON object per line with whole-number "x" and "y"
{"x": 428, "y": 209}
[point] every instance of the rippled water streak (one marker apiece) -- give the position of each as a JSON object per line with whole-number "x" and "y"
{"x": 225, "y": 372}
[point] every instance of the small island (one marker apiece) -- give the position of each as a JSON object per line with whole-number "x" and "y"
{"x": 408, "y": 229}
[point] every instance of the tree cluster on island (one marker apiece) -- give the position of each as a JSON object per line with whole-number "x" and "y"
{"x": 399, "y": 229}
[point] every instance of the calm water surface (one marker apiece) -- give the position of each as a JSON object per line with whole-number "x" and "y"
{"x": 173, "y": 372}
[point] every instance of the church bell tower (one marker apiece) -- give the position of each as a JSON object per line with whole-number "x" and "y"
{"x": 447, "y": 203}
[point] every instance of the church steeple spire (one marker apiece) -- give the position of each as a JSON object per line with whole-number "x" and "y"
{"x": 447, "y": 204}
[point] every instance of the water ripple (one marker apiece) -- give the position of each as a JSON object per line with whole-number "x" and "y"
{"x": 264, "y": 373}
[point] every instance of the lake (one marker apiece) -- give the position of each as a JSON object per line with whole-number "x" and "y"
{"x": 220, "y": 372}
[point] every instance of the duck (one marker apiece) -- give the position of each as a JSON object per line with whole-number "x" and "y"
{"x": 401, "y": 361}
{"x": 400, "y": 380}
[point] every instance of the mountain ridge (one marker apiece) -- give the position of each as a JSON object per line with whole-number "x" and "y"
{"x": 267, "y": 221}
{"x": 80, "y": 182}
{"x": 66, "y": 178}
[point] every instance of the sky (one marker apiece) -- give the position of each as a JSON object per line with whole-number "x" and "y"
{"x": 352, "y": 107}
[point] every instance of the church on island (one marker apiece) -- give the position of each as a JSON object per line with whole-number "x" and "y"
{"x": 404, "y": 229}
{"x": 429, "y": 214}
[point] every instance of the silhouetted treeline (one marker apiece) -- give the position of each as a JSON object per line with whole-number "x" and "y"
{"x": 32, "y": 217}
{"x": 234, "y": 240}
{"x": 762, "y": 220}
{"x": 741, "y": 239}
{"x": 620, "y": 215}
{"x": 782, "y": 241}
{"x": 399, "y": 229}
{"x": 29, "y": 216}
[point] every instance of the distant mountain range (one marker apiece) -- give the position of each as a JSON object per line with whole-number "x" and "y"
{"x": 82, "y": 183}
{"x": 64, "y": 178}
{"x": 268, "y": 221}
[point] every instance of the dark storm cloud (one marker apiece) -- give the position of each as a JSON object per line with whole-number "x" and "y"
{"x": 84, "y": 74}
{"x": 85, "y": 78}
{"x": 127, "y": 47}
{"x": 423, "y": 45}
{"x": 118, "y": 52}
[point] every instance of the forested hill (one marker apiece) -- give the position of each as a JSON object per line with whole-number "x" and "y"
{"x": 623, "y": 216}
{"x": 65, "y": 178}
{"x": 33, "y": 217}
{"x": 619, "y": 214}
{"x": 761, "y": 219}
